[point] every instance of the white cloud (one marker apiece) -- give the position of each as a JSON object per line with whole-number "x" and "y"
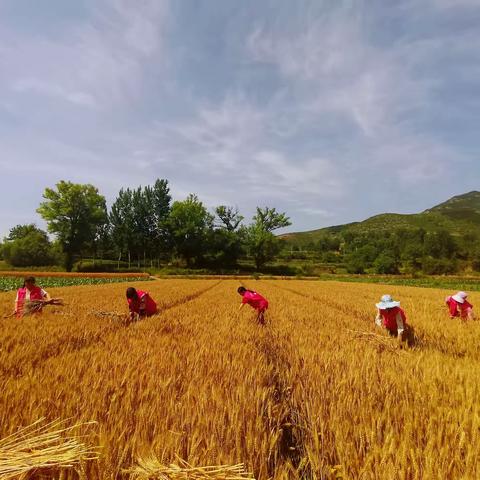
{"x": 49, "y": 89}
{"x": 338, "y": 70}
{"x": 311, "y": 109}
{"x": 99, "y": 64}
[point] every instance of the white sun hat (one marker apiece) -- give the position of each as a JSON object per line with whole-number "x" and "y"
{"x": 387, "y": 302}
{"x": 460, "y": 297}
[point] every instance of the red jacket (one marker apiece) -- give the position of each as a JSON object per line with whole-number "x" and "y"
{"x": 390, "y": 317}
{"x": 150, "y": 305}
{"x": 36, "y": 293}
{"x": 255, "y": 300}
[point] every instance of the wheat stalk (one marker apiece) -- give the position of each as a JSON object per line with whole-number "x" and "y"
{"x": 150, "y": 468}
{"x": 41, "y": 445}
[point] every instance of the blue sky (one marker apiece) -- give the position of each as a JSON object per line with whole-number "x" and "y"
{"x": 329, "y": 110}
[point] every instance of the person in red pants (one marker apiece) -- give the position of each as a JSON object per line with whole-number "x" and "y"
{"x": 256, "y": 301}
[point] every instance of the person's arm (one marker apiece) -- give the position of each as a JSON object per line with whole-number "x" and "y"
{"x": 16, "y": 304}
{"x": 470, "y": 314}
{"x": 378, "y": 318}
{"x": 241, "y": 306}
{"x": 143, "y": 304}
{"x": 452, "y": 307}
{"x": 45, "y": 295}
{"x": 400, "y": 325}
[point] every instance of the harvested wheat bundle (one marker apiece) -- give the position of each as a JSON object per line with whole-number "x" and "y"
{"x": 36, "y": 306}
{"x": 382, "y": 342}
{"x": 150, "y": 468}
{"x": 41, "y": 446}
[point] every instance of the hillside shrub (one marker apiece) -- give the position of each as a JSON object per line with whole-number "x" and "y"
{"x": 439, "y": 266}
{"x": 386, "y": 264}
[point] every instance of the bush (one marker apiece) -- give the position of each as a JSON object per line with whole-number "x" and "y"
{"x": 442, "y": 266}
{"x": 385, "y": 264}
{"x": 355, "y": 264}
{"x": 107, "y": 266}
{"x": 31, "y": 251}
{"x": 476, "y": 263}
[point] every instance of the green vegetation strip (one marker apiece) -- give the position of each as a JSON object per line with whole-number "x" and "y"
{"x": 12, "y": 283}
{"x": 455, "y": 283}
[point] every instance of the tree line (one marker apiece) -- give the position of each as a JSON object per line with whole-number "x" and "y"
{"x": 144, "y": 226}
{"x": 398, "y": 250}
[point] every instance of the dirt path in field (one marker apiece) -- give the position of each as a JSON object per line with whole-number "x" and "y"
{"x": 283, "y": 414}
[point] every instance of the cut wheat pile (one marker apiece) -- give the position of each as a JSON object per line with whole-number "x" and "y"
{"x": 318, "y": 393}
{"x": 42, "y": 446}
{"x": 150, "y": 468}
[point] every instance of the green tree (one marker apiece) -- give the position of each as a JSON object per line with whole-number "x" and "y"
{"x": 229, "y": 218}
{"x": 138, "y": 220}
{"x": 476, "y": 261}
{"x": 28, "y": 246}
{"x": 355, "y": 263}
{"x": 439, "y": 266}
{"x": 261, "y": 243}
{"x": 121, "y": 219}
{"x": 161, "y": 202}
{"x": 412, "y": 256}
{"x": 189, "y": 225}
{"x": 386, "y": 264}
{"x": 227, "y": 238}
{"x": 439, "y": 244}
{"x": 73, "y": 213}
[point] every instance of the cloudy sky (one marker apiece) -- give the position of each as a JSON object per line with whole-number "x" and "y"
{"x": 329, "y": 110}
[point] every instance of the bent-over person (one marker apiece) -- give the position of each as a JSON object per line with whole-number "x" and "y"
{"x": 140, "y": 303}
{"x": 391, "y": 317}
{"x": 459, "y": 307}
{"x": 256, "y": 301}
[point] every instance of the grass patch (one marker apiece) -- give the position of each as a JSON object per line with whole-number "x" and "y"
{"x": 12, "y": 282}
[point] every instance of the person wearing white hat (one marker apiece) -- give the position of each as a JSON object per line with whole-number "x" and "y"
{"x": 391, "y": 317}
{"x": 459, "y": 307}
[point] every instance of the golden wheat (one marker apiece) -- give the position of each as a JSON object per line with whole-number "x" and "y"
{"x": 318, "y": 393}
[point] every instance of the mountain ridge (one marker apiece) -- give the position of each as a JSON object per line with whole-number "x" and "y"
{"x": 457, "y": 215}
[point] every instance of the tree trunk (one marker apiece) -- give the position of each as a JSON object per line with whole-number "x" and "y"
{"x": 68, "y": 261}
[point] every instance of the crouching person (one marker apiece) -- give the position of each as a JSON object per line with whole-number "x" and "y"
{"x": 459, "y": 307}
{"x": 140, "y": 304}
{"x": 391, "y": 317}
{"x": 30, "y": 298}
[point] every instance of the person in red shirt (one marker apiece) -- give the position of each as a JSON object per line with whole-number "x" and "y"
{"x": 30, "y": 298}
{"x": 140, "y": 303}
{"x": 459, "y": 307}
{"x": 256, "y": 301}
{"x": 391, "y": 317}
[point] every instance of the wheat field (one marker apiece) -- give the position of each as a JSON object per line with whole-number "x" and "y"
{"x": 318, "y": 393}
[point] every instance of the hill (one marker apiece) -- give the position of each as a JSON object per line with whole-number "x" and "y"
{"x": 458, "y": 215}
